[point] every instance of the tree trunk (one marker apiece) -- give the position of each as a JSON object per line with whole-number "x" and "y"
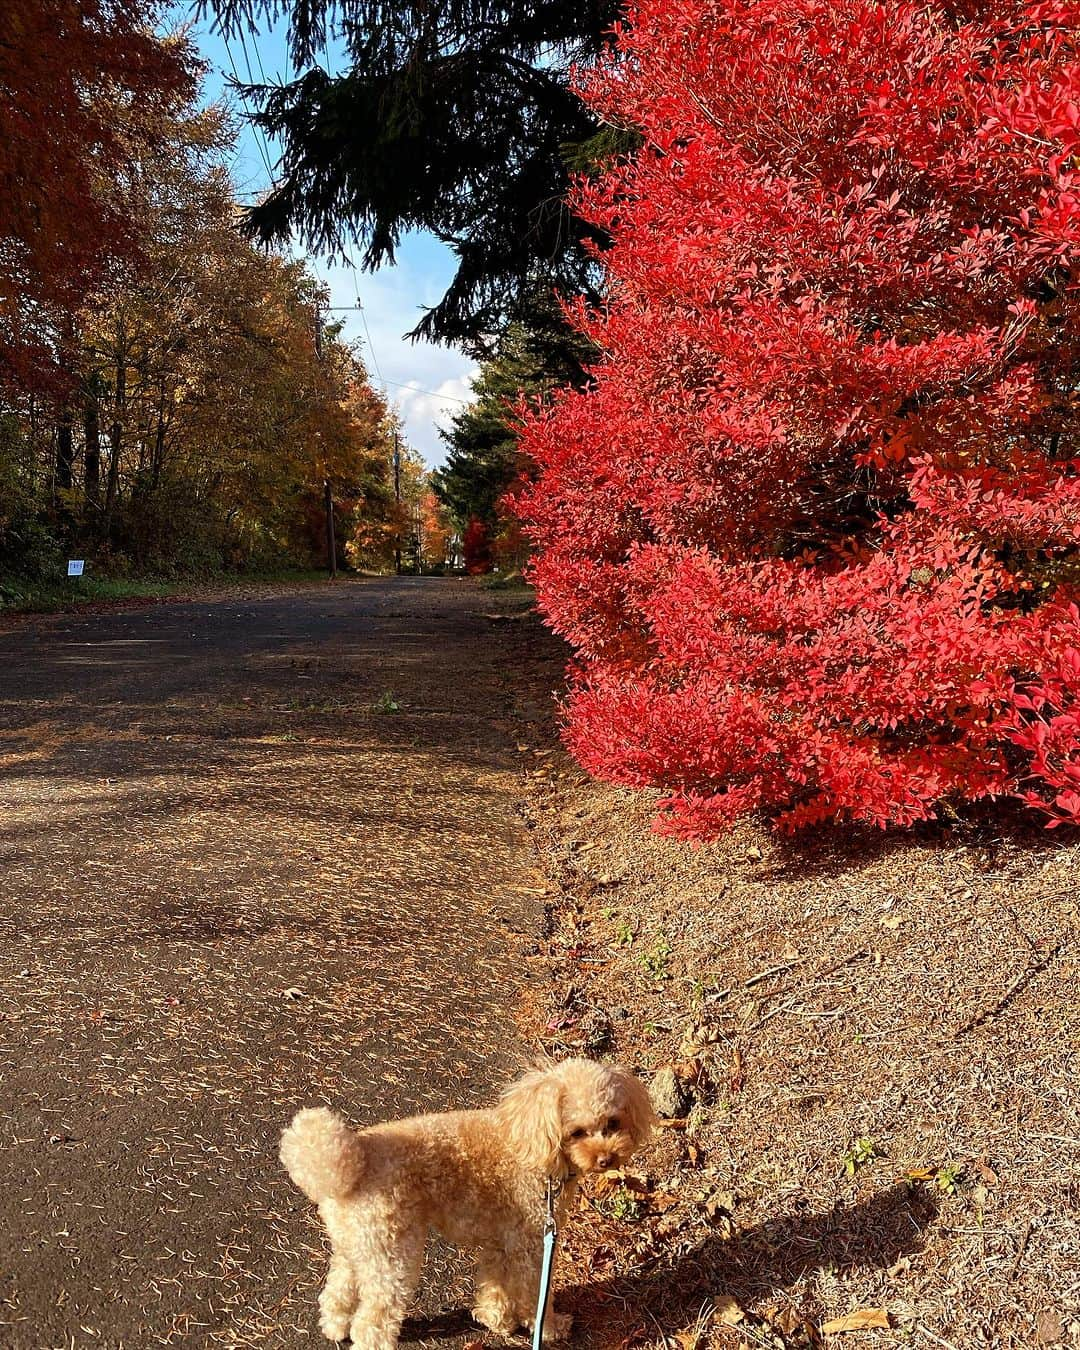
{"x": 92, "y": 460}
{"x": 117, "y": 429}
{"x": 158, "y": 458}
{"x": 65, "y": 451}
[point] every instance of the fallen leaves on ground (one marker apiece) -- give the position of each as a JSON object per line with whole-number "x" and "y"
{"x": 861, "y": 1320}
{"x": 727, "y": 1311}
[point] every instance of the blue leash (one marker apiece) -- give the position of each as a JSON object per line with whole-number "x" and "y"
{"x": 551, "y": 1233}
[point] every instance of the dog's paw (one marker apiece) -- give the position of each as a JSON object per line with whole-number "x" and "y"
{"x": 497, "y": 1316}
{"x": 557, "y": 1326}
{"x": 334, "y": 1326}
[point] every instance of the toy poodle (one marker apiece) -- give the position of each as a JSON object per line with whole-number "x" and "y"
{"x": 478, "y": 1177}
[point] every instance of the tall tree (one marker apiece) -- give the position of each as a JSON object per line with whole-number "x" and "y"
{"x": 455, "y": 118}
{"x": 201, "y": 391}
{"x": 393, "y": 531}
{"x": 66, "y": 67}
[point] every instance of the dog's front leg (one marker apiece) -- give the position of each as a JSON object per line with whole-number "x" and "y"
{"x": 522, "y": 1276}
{"x": 495, "y": 1308}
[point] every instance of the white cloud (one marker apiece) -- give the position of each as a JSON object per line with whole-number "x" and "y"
{"x": 425, "y": 411}
{"x": 422, "y": 379}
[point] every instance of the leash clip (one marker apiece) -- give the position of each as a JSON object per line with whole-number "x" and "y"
{"x": 553, "y": 1190}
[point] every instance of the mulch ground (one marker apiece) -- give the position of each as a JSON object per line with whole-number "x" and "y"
{"x": 869, "y": 1051}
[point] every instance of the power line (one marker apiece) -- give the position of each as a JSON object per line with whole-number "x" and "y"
{"x": 256, "y": 130}
{"x": 258, "y": 58}
{"x": 290, "y": 74}
{"x": 358, "y": 308}
{"x": 247, "y": 61}
{"x": 260, "y": 140}
{"x": 251, "y": 80}
{"x": 371, "y": 347}
{"x": 465, "y": 403}
{"x": 347, "y": 246}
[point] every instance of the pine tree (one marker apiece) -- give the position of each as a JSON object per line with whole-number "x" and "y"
{"x": 455, "y": 118}
{"x": 484, "y": 458}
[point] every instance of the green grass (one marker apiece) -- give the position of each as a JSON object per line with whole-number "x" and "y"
{"x": 43, "y": 597}
{"x": 386, "y": 703}
{"x": 514, "y": 582}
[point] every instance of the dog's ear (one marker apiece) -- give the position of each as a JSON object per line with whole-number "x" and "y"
{"x": 638, "y": 1109}
{"x": 532, "y": 1110}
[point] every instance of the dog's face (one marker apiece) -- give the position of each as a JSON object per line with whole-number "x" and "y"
{"x": 598, "y": 1143}
{"x": 578, "y": 1116}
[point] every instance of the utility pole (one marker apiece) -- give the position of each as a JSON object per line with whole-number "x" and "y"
{"x": 331, "y": 546}
{"x": 397, "y": 498}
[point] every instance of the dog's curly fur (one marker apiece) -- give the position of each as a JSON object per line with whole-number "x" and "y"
{"x": 477, "y": 1177}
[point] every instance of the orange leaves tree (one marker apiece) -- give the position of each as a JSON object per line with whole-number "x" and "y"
{"x": 181, "y": 401}
{"x": 814, "y": 529}
{"x": 229, "y": 405}
{"x": 83, "y": 83}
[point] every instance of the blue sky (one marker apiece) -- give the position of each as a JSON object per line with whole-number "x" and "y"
{"x": 427, "y": 383}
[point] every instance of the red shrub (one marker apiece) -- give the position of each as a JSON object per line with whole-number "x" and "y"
{"x": 815, "y": 529}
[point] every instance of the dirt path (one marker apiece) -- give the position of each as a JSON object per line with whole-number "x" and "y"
{"x": 235, "y": 880}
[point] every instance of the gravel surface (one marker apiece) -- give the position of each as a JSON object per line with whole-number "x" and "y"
{"x": 256, "y": 852}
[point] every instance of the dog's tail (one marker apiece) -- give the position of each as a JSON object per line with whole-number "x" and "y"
{"x": 322, "y": 1154}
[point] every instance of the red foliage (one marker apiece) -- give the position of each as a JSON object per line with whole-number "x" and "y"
{"x": 476, "y": 547}
{"x": 814, "y": 530}
{"x": 84, "y": 83}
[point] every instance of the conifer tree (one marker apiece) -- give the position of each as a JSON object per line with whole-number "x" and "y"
{"x": 455, "y": 118}
{"x": 484, "y": 458}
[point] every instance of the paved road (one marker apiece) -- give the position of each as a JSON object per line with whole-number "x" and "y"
{"x": 234, "y": 880}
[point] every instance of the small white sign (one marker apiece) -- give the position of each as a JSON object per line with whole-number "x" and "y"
{"x": 75, "y": 567}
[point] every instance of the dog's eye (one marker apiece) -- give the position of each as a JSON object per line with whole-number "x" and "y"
{"x": 578, "y": 1134}
{"x": 613, "y": 1125}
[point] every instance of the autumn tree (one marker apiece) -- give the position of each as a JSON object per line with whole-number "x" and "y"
{"x": 204, "y": 401}
{"x": 412, "y": 485}
{"x": 402, "y": 533}
{"x": 230, "y": 406}
{"x": 68, "y": 70}
{"x": 434, "y": 532}
{"x": 814, "y": 529}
